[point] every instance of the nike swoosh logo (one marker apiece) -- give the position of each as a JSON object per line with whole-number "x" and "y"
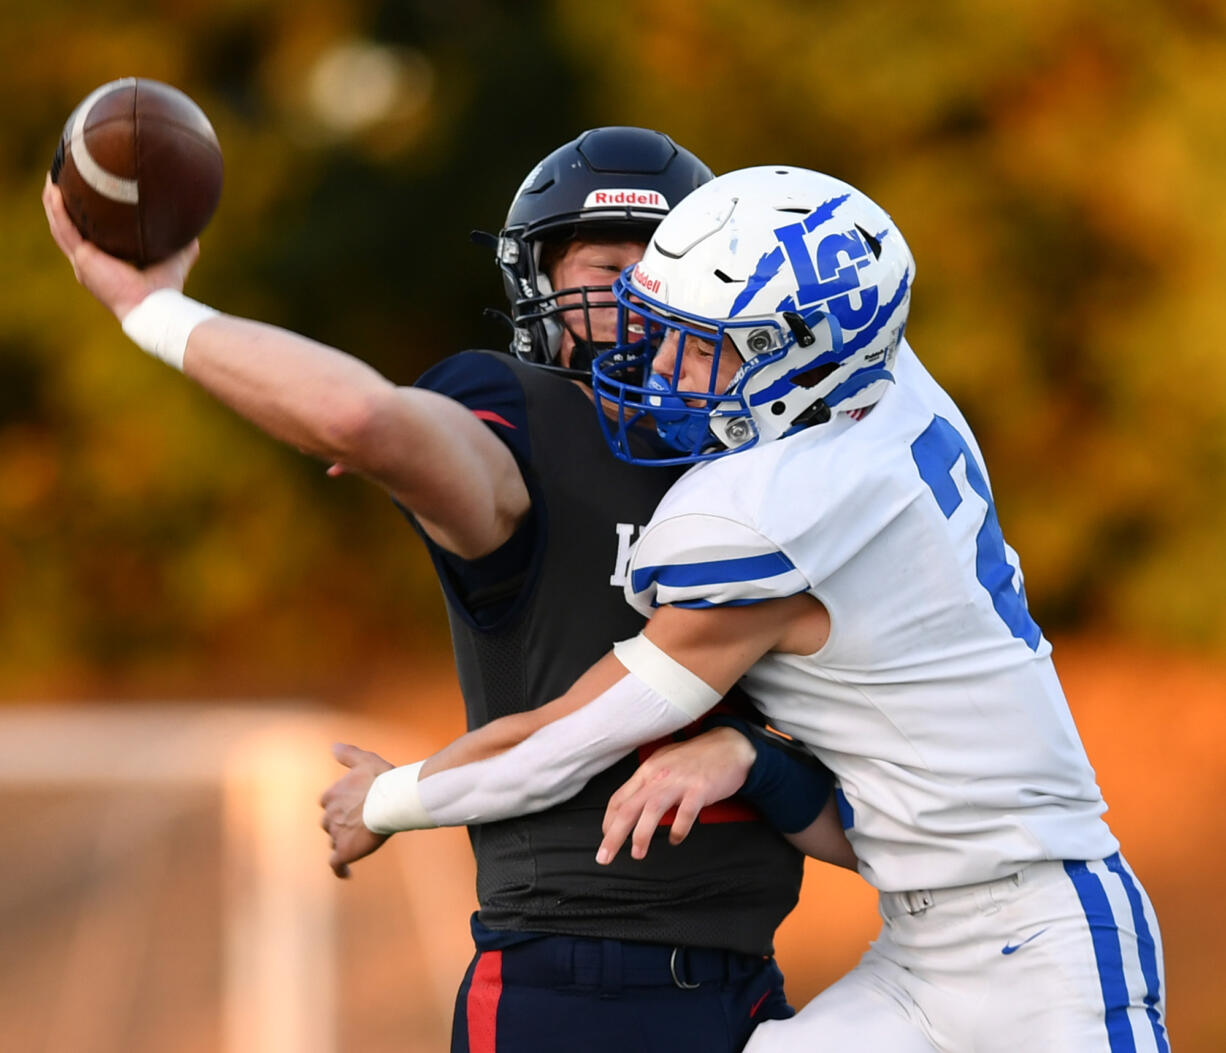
{"x": 1009, "y": 948}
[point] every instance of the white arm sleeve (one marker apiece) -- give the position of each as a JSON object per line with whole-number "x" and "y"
{"x": 657, "y": 697}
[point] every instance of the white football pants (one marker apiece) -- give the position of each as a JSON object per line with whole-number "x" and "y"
{"x": 1061, "y": 957}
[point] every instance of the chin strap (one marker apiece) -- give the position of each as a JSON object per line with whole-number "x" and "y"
{"x": 584, "y": 352}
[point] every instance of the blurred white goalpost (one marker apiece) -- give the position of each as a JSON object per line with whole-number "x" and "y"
{"x": 268, "y": 764}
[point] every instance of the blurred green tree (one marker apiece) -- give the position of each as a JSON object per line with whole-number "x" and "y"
{"x": 1055, "y": 168}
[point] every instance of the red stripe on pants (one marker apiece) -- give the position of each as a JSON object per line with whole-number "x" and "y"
{"x": 482, "y": 1007}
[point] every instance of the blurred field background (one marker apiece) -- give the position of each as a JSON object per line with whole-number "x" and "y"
{"x": 1057, "y": 168}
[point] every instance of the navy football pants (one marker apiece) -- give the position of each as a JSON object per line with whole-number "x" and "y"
{"x": 561, "y": 994}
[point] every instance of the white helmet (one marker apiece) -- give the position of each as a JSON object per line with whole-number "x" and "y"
{"x": 805, "y": 277}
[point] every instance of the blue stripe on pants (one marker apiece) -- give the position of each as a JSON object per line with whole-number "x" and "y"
{"x": 1146, "y": 948}
{"x": 1107, "y": 954}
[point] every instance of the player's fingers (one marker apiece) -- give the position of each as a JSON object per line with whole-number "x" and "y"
{"x": 620, "y": 819}
{"x": 65, "y": 233}
{"x": 62, "y": 228}
{"x": 648, "y": 824}
{"x": 332, "y": 820}
{"x": 333, "y": 797}
{"x": 51, "y": 194}
{"x": 348, "y": 755}
{"x": 617, "y": 827}
{"x": 687, "y": 815}
{"x": 624, "y": 794}
{"x": 335, "y": 860}
{"x": 339, "y": 867}
{"x": 613, "y": 810}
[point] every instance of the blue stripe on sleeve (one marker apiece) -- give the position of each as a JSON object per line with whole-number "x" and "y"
{"x": 1146, "y": 948}
{"x": 702, "y": 605}
{"x": 712, "y": 572}
{"x": 1105, "y": 935}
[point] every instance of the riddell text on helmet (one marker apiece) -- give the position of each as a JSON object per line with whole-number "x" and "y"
{"x": 645, "y": 281}
{"x": 644, "y": 198}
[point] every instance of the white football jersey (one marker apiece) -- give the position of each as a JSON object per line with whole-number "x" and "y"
{"x": 934, "y": 701}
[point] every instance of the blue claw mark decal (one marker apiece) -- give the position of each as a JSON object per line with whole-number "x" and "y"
{"x": 823, "y": 212}
{"x": 846, "y": 315}
{"x": 768, "y": 266}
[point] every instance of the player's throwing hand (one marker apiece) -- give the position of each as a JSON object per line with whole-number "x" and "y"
{"x": 117, "y": 285}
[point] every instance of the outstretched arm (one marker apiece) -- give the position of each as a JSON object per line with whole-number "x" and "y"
{"x": 428, "y": 451}
{"x": 792, "y": 793}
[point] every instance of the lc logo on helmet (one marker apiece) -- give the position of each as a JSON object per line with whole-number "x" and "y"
{"x": 831, "y": 273}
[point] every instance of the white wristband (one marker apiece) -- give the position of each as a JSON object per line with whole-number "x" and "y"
{"x": 162, "y": 322}
{"x": 393, "y": 802}
{"x": 666, "y": 676}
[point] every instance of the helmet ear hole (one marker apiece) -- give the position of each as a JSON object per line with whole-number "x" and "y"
{"x": 810, "y": 378}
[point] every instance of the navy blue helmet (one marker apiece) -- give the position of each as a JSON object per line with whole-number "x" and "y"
{"x": 612, "y": 181}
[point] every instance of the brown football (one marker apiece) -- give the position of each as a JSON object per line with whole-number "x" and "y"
{"x": 140, "y": 169}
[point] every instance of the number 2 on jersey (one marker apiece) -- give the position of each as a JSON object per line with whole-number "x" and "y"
{"x": 936, "y": 451}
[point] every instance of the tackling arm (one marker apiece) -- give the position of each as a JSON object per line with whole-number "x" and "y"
{"x": 790, "y": 787}
{"x": 428, "y": 451}
{"x": 681, "y": 665}
{"x": 577, "y": 737}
